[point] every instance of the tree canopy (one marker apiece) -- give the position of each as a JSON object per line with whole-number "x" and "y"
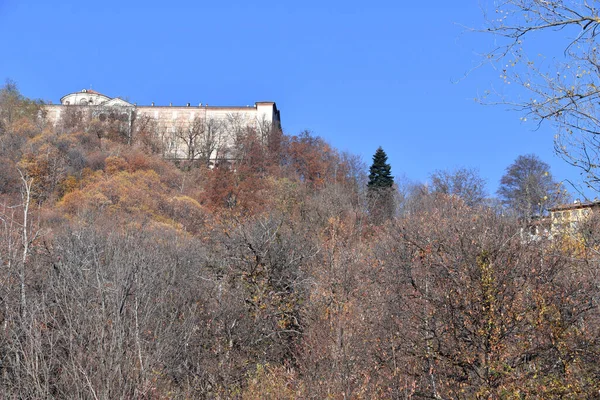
{"x": 465, "y": 183}
{"x": 14, "y": 107}
{"x": 528, "y": 188}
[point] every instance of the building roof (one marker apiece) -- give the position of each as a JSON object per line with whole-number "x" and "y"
{"x": 86, "y": 91}
{"x": 92, "y": 91}
{"x": 109, "y": 101}
{"x": 576, "y": 205}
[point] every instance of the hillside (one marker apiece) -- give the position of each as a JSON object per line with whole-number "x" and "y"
{"x": 125, "y": 275}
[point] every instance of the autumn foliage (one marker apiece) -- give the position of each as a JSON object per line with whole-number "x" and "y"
{"x": 266, "y": 278}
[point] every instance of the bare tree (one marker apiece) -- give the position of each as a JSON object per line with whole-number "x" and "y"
{"x": 27, "y": 237}
{"x": 528, "y": 188}
{"x": 563, "y": 88}
{"x": 211, "y": 141}
{"x": 202, "y": 138}
{"x": 145, "y": 130}
{"x": 19, "y": 235}
{"x": 465, "y": 183}
{"x": 190, "y": 135}
{"x": 13, "y": 105}
{"x": 460, "y": 289}
{"x": 264, "y": 129}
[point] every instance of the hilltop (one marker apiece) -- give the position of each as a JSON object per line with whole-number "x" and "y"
{"x": 276, "y": 274}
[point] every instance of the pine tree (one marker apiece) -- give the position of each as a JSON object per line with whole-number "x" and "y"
{"x": 380, "y": 172}
{"x": 380, "y": 189}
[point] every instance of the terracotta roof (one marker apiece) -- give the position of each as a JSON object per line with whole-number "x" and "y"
{"x": 92, "y": 91}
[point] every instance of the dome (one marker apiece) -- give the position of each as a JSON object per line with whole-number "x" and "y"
{"x": 84, "y": 98}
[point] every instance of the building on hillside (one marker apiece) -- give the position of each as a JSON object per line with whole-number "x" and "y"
{"x": 567, "y": 218}
{"x": 536, "y": 228}
{"x": 187, "y": 132}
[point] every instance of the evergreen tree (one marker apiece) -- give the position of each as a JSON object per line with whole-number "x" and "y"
{"x": 380, "y": 189}
{"x": 380, "y": 172}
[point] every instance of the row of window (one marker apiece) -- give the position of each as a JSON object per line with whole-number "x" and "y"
{"x": 82, "y": 102}
{"x": 573, "y": 214}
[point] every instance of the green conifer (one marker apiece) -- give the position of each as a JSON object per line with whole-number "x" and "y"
{"x": 380, "y": 189}
{"x": 380, "y": 172}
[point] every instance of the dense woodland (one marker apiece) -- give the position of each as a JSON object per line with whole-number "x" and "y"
{"x": 128, "y": 276}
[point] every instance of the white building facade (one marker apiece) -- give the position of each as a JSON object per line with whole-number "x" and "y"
{"x": 187, "y": 132}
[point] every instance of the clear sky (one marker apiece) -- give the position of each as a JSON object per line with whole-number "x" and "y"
{"x": 359, "y": 74}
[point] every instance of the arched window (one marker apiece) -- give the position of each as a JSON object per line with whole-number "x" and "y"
{"x": 83, "y": 102}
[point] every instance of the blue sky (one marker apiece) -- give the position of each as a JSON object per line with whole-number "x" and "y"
{"x": 358, "y": 74}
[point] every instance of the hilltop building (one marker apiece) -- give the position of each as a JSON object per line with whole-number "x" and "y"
{"x": 188, "y": 132}
{"x": 567, "y": 218}
{"x": 564, "y": 219}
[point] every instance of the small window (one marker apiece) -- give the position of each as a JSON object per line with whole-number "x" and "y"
{"x": 573, "y": 225}
{"x": 83, "y": 102}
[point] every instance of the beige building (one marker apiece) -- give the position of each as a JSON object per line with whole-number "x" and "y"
{"x": 568, "y": 217}
{"x": 188, "y": 132}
